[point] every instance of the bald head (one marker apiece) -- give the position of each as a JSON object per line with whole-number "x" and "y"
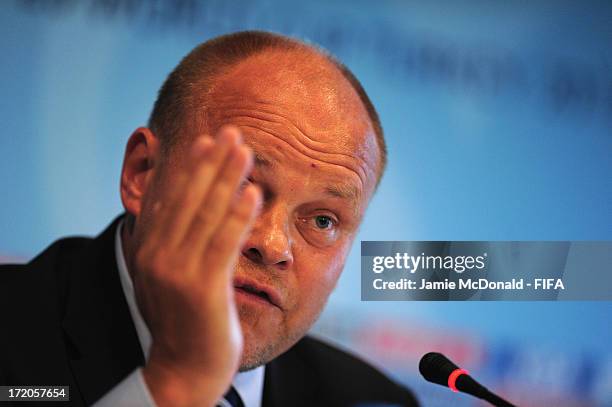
{"x": 191, "y": 93}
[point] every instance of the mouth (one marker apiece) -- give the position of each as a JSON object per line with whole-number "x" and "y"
{"x": 256, "y": 291}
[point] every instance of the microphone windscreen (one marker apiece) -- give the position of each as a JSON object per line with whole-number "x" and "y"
{"x": 436, "y": 368}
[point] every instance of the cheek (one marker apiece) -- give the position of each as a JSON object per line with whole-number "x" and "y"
{"x": 316, "y": 274}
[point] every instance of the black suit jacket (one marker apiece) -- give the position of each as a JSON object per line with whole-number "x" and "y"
{"x": 65, "y": 321}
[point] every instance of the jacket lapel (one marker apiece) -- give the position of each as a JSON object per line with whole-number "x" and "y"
{"x": 102, "y": 340}
{"x": 289, "y": 381}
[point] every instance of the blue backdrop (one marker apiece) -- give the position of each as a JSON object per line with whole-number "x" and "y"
{"x": 498, "y": 117}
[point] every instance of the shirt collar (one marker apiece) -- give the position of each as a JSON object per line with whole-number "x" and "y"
{"x": 249, "y": 385}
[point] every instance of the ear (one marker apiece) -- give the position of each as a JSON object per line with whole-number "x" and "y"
{"x": 141, "y": 156}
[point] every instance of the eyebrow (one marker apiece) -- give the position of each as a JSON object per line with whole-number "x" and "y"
{"x": 343, "y": 191}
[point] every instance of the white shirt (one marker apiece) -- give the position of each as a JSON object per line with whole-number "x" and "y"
{"x": 133, "y": 391}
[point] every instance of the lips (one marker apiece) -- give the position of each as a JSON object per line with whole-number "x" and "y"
{"x": 262, "y": 291}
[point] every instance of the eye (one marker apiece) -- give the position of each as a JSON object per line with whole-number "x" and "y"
{"x": 320, "y": 229}
{"x": 323, "y": 222}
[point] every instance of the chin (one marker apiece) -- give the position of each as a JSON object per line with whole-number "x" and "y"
{"x": 258, "y": 348}
{"x": 262, "y": 341}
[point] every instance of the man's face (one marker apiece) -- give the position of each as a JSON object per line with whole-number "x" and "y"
{"x": 315, "y": 162}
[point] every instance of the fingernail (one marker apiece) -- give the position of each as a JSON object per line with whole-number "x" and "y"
{"x": 239, "y": 154}
{"x": 249, "y": 156}
{"x": 229, "y": 134}
{"x": 202, "y": 145}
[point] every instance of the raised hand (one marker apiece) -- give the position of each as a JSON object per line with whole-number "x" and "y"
{"x": 184, "y": 270}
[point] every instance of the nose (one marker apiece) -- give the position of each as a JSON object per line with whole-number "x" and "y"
{"x": 269, "y": 243}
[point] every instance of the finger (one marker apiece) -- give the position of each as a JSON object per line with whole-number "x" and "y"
{"x": 201, "y": 175}
{"x": 217, "y": 204}
{"x": 229, "y": 238}
{"x": 169, "y": 185}
{"x": 164, "y": 189}
{"x": 154, "y": 211}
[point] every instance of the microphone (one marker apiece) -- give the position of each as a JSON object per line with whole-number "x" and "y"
{"x": 436, "y": 368}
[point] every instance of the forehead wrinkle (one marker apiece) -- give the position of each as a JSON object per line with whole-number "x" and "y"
{"x": 302, "y": 144}
{"x": 226, "y": 103}
{"x": 304, "y": 151}
{"x": 338, "y": 190}
{"x": 264, "y": 112}
{"x": 279, "y": 120}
